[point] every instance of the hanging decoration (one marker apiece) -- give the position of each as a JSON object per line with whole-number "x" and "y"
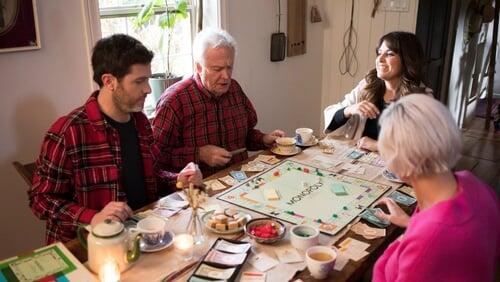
{"x": 348, "y": 63}
{"x": 478, "y": 12}
{"x": 315, "y": 15}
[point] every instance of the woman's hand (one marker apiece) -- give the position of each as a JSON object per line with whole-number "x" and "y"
{"x": 396, "y": 215}
{"x": 363, "y": 108}
{"x": 366, "y": 143}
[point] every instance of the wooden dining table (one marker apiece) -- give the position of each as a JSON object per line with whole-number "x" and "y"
{"x": 168, "y": 265}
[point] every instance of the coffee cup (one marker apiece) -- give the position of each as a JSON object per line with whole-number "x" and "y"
{"x": 286, "y": 145}
{"x": 304, "y": 236}
{"x": 304, "y": 135}
{"x": 152, "y": 229}
{"x": 320, "y": 261}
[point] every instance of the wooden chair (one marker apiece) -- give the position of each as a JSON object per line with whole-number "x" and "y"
{"x": 25, "y": 170}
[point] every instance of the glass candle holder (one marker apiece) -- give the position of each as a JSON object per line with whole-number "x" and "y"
{"x": 184, "y": 244}
{"x": 109, "y": 271}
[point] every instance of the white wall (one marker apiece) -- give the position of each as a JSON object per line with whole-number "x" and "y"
{"x": 37, "y": 87}
{"x": 369, "y": 30}
{"x": 285, "y": 94}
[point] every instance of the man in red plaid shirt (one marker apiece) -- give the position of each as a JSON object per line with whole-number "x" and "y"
{"x": 97, "y": 162}
{"x": 204, "y": 117}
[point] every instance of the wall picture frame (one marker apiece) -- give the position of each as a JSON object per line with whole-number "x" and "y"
{"x": 19, "y": 26}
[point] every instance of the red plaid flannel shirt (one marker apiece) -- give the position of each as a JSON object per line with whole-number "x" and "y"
{"x": 78, "y": 170}
{"x": 189, "y": 117}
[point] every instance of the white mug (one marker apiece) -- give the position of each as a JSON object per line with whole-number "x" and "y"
{"x": 152, "y": 229}
{"x": 304, "y": 135}
{"x": 304, "y": 236}
{"x": 320, "y": 261}
{"x": 286, "y": 145}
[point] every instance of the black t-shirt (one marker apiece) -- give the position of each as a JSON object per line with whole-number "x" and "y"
{"x": 131, "y": 170}
{"x": 371, "y": 127}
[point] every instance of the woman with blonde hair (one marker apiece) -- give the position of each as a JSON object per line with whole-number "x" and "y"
{"x": 398, "y": 71}
{"x": 454, "y": 233}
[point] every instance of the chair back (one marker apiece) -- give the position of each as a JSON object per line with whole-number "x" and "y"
{"x": 25, "y": 170}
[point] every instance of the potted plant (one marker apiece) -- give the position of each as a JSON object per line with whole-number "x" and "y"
{"x": 166, "y": 21}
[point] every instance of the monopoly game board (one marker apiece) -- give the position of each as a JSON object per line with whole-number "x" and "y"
{"x": 303, "y": 194}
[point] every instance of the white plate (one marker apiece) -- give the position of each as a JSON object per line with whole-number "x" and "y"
{"x": 312, "y": 142}
{"x": 207, "y": 216}
{"x": 391, "y": 176}
{"x": 277, "y": 151}
{"x": 165, "y": 242}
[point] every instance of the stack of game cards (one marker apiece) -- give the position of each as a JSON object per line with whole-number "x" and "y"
{"x": 223, "y": 261}
{"x": 369, "y": 215}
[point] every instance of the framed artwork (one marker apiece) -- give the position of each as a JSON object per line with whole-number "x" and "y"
{"x": 18, "y": 25}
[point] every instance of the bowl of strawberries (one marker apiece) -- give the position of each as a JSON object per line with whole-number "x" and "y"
{"x": 265, "y": 230}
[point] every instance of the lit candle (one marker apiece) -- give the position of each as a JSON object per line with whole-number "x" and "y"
{"x": 109, "y": 271}
{"x": 184, "y": 243}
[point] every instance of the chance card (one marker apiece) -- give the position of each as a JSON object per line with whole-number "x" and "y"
{"x": 263, "y": 262}
{"x": 355, "y": 154}
{"x": 214, "y": 272}
{"x": 229, "y": 247}
{"x": 253, "y": 276}
{"x": 268, "y": 159}
{"x": 288, "y": 254}
{"x": 225, "y": 258}
{"x": 238, "y": 175}
{"x": 408, "y": 191}
{"x": 228, "y": 180}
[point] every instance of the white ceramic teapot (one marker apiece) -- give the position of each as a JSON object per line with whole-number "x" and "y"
{"x": 109, "y": 240}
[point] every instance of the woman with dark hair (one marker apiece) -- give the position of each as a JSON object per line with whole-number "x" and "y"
{"x": 398, "y": 71}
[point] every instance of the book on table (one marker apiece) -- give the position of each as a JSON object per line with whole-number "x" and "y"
{"x": 50, "y": 263}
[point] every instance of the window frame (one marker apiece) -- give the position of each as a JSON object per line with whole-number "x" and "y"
{"x": 133, "y": 10}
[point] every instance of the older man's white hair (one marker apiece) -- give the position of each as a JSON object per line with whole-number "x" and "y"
{"x": 418, "y": 136}
{"x": 211, "y": 38}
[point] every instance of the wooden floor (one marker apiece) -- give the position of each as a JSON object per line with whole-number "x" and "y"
{"x": 481, "y": 153}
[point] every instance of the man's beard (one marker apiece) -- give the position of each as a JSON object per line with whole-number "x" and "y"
{"x": 122, "y": 103}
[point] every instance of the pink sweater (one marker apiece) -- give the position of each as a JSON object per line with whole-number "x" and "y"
{"x": 455, "y": 240}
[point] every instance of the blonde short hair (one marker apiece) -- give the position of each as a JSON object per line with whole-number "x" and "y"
{"x": 211, "y": 38}
{"x": 418, "y": 136}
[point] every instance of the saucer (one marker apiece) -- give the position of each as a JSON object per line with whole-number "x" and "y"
{"x": 391, "y": 176}
{"x": 277, "y": 151}
{"x": 311, "y": 142}
{"x": 165, "y": 242}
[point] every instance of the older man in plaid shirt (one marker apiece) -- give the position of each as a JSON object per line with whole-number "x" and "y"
{"x": 97, "y": 162}
{"x": 204, "y": 117}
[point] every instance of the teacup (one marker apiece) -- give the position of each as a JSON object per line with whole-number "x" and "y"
{"x": 286, "y": 145}
{"x": 320, "y": 261}
{"x": 152, "y": 229}
{"x": 304, "y": 236}
{"x": 304, "y": 135}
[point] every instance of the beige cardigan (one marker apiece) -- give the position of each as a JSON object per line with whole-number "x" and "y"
{"x": 355, "y": 125}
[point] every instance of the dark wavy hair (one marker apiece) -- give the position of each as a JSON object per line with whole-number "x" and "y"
{"x": 409, "y": 49}
{"x": 116, "y": 54}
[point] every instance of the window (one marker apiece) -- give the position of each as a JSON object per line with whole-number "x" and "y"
{"x": 117, "y": 17}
